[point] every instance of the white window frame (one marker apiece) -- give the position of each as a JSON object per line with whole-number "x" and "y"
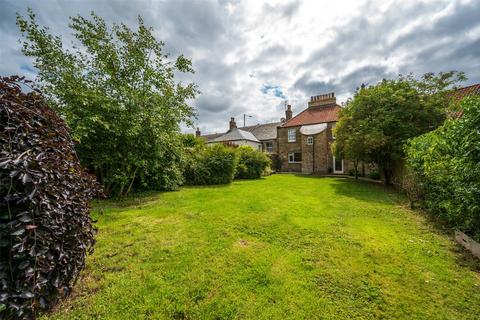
{"x": 292, "y": 155}
{"x": 337, "y": 171}
{"x": 310, "y": 140}
{"x": 292, "y": 135}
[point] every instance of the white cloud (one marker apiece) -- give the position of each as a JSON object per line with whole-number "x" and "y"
{"x": 300, "y": 47}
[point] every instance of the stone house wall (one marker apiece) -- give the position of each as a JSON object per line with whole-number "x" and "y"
{"x": 274, "y": 144}
{"x": 320, "y": 150}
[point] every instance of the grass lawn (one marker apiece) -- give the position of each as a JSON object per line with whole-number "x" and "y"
{"x": 283, "y": 247}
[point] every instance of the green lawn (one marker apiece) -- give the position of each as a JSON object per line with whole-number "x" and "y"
{"x": 283, "y": 247}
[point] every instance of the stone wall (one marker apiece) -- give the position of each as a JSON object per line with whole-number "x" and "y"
{"x": 274, "y": 144}
{"x": 316, "y": 158}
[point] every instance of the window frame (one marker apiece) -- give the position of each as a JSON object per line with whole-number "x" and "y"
{"x": 292, "y": 154}
{"x": 267, "y": 149}
{"x": 310, "y": 140}
{"x": 334, "y": 168}
{"x": 292, "y": 135}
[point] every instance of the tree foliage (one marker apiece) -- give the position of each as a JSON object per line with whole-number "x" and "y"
{"x": 376, "y": 123}
{"x": 45, "y": 227}
{"x": 447, "y": 164}
{"x": 116, "y": 89}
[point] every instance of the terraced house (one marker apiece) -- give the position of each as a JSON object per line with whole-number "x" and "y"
{"x": 304, "y": 141}
{"x": 260, "y": 136}
{"x": 301, "y": 143}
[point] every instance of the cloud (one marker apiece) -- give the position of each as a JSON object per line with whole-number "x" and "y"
{"x": 273, "y": 90}
{"x": 249, "y": 56}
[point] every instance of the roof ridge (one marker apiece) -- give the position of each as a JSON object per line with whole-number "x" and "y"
{"x": 310, "y": 108}
{"x": 472, "y": 85}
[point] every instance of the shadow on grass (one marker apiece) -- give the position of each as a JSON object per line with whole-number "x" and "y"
{"x": 362, "y": 190}
{"x": 142, "y": 199}
{"x": 378, "y": 193}
{"x": 438, "y": 225}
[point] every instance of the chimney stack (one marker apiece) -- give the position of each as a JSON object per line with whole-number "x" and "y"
{"x": 322, "y": 100}
{"x": 288, "y": 113}
{"x": 198, "y": 133}
{"x": 232, "y": 123}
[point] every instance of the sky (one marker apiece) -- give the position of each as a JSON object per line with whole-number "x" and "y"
{"x": 251, "y": 56}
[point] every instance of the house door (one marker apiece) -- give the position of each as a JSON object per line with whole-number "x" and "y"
{"x": 337, "y": 165}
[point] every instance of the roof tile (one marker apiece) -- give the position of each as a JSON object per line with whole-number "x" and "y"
{"x": 460, "y": 93}
{"x": 311, "y": 115}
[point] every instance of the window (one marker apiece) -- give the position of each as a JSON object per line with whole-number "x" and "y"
{"x": 294, "y": 157}
{"x": 269, "y": 146}
{"x": 309, "y": 140}
{"x": 292, "y": 135}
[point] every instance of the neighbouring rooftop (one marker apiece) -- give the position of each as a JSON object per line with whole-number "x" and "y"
{"x": 235, "y": 134}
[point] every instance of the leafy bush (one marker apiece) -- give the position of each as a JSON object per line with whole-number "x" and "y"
{"x": 210, "y": 165}
{"x": 45, "y": 227}
{"x": 374, "y": 175}
{"x": 447, "y": 164}
{"x": 251, "y": 163}
{"x": 276, "y": 162}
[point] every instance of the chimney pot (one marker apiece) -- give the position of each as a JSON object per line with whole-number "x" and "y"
{"x": 232, "y": 123}
{"x": 322, "y": 99}
{"x": 288, "y": 113}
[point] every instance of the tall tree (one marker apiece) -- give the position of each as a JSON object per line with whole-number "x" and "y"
{"x": 379, "y": 119}
{"x": 116, "y": 88}
{"x": 349, "y": 141}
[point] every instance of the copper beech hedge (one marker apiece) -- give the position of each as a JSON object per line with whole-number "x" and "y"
{"x": 45, "y": 227}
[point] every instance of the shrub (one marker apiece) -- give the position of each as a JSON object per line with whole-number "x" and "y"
{"x": 276, "y": 162}
{"x": 251, "y": 163}
{"x": 45, "y": 227}
{"x": 374, "y": 175}
{"x": 447, "y": 164}
{"x": 210, "y": 165}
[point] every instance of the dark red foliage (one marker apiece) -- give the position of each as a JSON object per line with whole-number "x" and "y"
{"x": 45, "y": 227}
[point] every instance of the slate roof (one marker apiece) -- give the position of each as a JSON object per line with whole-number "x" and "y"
{"x": 210, "y": 137}
{"x": 312, "y": 115}
{"x": 267, "y": 131}
{"x": 234, "y": 135}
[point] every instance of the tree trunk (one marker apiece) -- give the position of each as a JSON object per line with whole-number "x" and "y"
{"x": 386, "y": 176}
{"x": 355, "y": 168}
{"x": 131, "y": 182}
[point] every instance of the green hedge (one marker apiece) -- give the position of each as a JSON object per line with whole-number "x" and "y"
{"x": 447, "y": 164}
{"x": 251, "y": 163}
{"x": 210, "y": 165}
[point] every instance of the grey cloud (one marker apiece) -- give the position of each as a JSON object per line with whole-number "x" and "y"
{"x": 453, "y": 26}
{"x": 287, "y": 10}
{"x": 360, "y": 38}
{"x": 343, "y": 84}
{"x": 362, "y": 49}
